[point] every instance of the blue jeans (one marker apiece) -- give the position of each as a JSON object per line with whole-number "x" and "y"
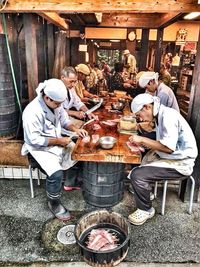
{"x": 54, "y": 185}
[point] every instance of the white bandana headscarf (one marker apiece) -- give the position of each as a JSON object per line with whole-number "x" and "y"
{"x": 54, "y": 89}
{"x": 140, "y": 100}
{"x": 146, "y": 77}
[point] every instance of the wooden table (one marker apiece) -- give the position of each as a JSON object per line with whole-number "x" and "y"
{"x": 120, "y": 153}
{"x": 103, "y": 169}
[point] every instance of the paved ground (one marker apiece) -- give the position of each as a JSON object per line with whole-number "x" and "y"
{"x": 122, "y": 264}
{"x": 29, "y": 232}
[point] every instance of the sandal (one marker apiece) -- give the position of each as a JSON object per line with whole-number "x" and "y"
{"x": 140, "y": 216}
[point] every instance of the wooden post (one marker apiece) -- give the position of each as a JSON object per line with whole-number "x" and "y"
{"x": 158, "y": 49}
{"x": 31, "y": 54}
{"x": 144, "y": 50}
{"x": 194, "y": 117}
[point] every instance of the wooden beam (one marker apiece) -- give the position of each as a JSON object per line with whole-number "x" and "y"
{"x": 130, "y": 20}
{"x": 168, "y": 19}
{"x": 54, "y": 18}
{"x": 102, "y": 5}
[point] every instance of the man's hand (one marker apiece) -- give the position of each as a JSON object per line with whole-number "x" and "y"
{"x": 61, "y": 141}
{"x": 127, "y": 85}
{"x": 85, "y": 99}
{"x": 80, "y": 114}
{"x": 81, "y": 132}
{"x": 136, "y": 139}
{"x": 146, "y": 126}
{"x": 93, "y": 116}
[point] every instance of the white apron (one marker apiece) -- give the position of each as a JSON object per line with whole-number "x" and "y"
{"x": 52, "y": 158}
{"x": 184, "y": 166}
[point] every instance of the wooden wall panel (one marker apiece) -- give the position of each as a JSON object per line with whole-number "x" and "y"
{"x": 31, "y": 54}
{"x": 50, "y": 49}
{"x": 76, "y": 56}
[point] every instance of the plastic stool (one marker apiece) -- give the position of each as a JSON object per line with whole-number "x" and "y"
{"x": 165, "y": 193}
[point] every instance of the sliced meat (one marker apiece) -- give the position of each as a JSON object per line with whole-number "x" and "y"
{"x": 96, "y": 126}
{"x": 101, "y": 239}
{"x": 95, "y": 138}
{"x": 134, "y": 147}
{"x": 86, "y": 139}
{"x": 108, "y": 247}
{"x": 109, "y": 123}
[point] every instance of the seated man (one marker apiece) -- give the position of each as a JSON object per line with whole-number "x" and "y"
{"x": 171, "y": 155}
{"x": 69, "y": 78}
{"x": 117, "y": 81}
{"x": 82, "y": 71}
{"x": 165, "y": 76}
{"x": 42, "y": 122}
{"x": 149, "y": 81}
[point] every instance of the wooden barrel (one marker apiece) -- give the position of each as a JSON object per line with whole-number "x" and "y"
{"x": 110, "y": 221}
{"x": 103, "y": 183}
{"x": 8, "y": 107}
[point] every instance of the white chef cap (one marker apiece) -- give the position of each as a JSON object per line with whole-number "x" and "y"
{"x": 143, "y": 99}
{"x": 54, "y": 89}
{"x": 146, "y": 77}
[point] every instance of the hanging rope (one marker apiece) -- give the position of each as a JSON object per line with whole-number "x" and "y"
{"x": 11, "y": 63}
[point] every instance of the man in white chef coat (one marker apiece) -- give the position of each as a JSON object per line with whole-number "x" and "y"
{"x": 149, "y": 81}
{"x": 72, "y": 102}
{"x": 171, "y": 155}
{"x": 43, "y": 119}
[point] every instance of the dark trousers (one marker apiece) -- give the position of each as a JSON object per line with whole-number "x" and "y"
{"x": 142, "y": 176}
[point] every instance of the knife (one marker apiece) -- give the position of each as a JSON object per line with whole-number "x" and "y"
{"x": 89, "y": 111}
{"x": 70, "y": 134}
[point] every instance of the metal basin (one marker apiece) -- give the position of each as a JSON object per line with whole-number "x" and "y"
{"x": 117, "y": 106}
{"x": 95, "y": 100}
{"x": 107, "y": 142}
{"x": 122, "y": 100}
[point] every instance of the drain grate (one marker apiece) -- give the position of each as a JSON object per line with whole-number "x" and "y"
{"x": 66, "y": 235}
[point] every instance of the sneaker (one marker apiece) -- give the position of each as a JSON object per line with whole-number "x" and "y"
{"x": 70, "y": 188}
{"x": 130, "y": 189}
{"x": 140, "y": 216}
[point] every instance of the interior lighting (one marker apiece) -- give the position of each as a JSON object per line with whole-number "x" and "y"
{"x": 115, "y": 41}
{"x": 192, "y": 15}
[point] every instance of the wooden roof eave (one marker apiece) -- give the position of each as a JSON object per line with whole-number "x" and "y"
{"x": 82, "y": 6}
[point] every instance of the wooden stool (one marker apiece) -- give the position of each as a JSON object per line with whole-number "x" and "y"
{"x": 165, "y": 192}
